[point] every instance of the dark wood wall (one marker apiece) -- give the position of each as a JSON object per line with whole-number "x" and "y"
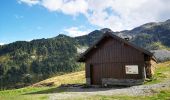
{"x": 110, "y": 57}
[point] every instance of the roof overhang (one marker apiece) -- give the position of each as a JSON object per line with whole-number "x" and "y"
{"x": 83, "y": 57}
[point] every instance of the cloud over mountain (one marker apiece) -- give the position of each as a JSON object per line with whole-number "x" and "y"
{"x": 1, "y": 43}
{"x": 77, "y": 31}
{"x": 115, "y": 14}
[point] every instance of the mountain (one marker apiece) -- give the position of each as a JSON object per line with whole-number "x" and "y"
{"x": 152, "y": 32}
{"x": 151, "y": 36}
{"x": 23, "y": 63}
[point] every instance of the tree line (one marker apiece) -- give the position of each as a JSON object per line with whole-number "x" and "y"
{"x": 28, "y": 62}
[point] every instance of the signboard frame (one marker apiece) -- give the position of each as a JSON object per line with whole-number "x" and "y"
{"x": 131, "y": 69}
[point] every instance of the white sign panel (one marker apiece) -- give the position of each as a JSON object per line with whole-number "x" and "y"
{"x": 131, "y": 69}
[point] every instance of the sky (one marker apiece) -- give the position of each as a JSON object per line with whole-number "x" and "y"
{"x": 25, "y": 20}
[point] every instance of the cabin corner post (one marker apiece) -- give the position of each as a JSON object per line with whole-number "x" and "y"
{"x": 147, "y": 69}
{"x": 88, "y": 76}
{"x": 144, "y": 71}
{"x": 88, "y": 81}
{"x": 150, "y": 66}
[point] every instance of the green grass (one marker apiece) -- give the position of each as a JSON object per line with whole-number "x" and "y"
{"x": 24, "y": 97}
{"x": 162, "y": 73}
{"x": 22, "y": 94}
{"x": 30, "y": 93}
{"x": 41, "y": 93}
{"x": 159, "y": 45}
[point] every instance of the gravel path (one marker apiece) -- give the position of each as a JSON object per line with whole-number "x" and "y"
{"x": 72, "y": 93}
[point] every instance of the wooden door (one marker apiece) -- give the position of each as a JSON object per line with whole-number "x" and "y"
{"x": 95, "y": 71}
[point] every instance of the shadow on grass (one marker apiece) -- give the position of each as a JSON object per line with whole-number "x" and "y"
{"x": 62, "y": 89}
{"x": 49, "y": 90}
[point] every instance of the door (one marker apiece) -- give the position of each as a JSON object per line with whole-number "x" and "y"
{"x": 95, "y": 74}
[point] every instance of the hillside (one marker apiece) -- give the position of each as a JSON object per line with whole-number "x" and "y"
{"x": 40, "y": 92}
{"x": 149, "y": 36}
{"x": 71, "y": 78}
{"x": 161, "y": 74}
{"x": 25, "y": 93}
{"x": 152, "y": 32}
{"x": 23, "y": 63}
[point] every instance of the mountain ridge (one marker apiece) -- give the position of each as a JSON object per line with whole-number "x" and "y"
{"x": 23, "y": 63}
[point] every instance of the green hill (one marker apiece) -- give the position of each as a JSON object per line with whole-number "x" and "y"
{"x": 40, "y": 92}
{"x": 23, "y": 63}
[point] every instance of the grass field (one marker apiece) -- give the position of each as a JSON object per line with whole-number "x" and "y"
{"x": 72, "y": 78}
{"x": 28, "y": 92}
{"x": 19, "y": 94}
{"x": 162, "y": 73}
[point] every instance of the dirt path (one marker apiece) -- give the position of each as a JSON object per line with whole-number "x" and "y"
{"x": 72, "y": 93}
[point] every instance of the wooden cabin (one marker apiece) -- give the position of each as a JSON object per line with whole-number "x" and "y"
{"x": 115, "y": 61}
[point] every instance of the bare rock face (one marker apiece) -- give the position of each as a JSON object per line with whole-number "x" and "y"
{"x": 162, "y": 55}
{"x": 81, "y": 49}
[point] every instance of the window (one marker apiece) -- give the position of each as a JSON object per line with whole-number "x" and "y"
{"x": 131, "y": 69}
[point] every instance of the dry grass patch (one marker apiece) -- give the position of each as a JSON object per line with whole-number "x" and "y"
{"x": 72, "y": 78}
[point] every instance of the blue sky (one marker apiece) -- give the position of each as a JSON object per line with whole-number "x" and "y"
{"x": 34, "y": 19}
{"x": 23, "y": 22}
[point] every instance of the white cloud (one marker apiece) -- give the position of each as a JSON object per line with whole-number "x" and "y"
{"x": 29, "y": 2}
{"x": 127, "y": 14}
{"x": 76, "y": 31}
{"x": 2, "y": 43}
{"x": 115, "y": 14}
{"x": 71, "y": 7}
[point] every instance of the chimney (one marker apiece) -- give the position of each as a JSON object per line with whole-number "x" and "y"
{"x": 127, "y": 39}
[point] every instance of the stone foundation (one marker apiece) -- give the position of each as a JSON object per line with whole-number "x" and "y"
{"x": 126, "y": 82}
